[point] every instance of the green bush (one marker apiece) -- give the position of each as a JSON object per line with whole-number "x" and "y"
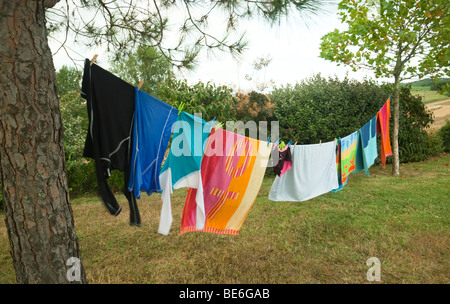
{"x": 320, "y": 109}
{"x": 82, "y": 179}
{"x": 415, "y": 143}
{"x": 444, "y": 134}
{"x": 208, "y": 99}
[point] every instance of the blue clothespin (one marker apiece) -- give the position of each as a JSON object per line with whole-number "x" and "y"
{"x": 278, "y": 141}
{"x": 268, "y": 141}
{"x": 289, "y": 143}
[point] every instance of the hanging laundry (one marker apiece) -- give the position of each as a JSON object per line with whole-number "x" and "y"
{"x": 284, "y": 161}
{"x": 368, "y": 141}
{"x": 347, "y": 158}
{"x": 110, "y": 105}
{"x": 313, "y": 173}
{"x": 152, "y": 129}
{"x": 232, "y": 171}
{"x": 182, "y": 166}
{"x": 383, "y": 116}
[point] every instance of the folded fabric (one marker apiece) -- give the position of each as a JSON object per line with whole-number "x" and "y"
{"x": 110, "y": 105}
{"x": 368, "y": 141}
{"x": 346, "y": 160}
{"x": 182, "y": 166}
{"x": 313, "y": 173}
{"x": 383, "y": 128}
{"x": 153, "y": 121}
{"x": 232, "y": 171}
{"x": 284, "y": 161}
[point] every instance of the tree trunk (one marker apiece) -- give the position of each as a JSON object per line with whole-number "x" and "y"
{"x": 39, "y": 217}
{"x": 395, "y": 113}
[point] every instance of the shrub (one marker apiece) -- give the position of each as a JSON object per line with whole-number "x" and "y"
{"x": 320, "y": 109}
{"x": 208, "y": 99}
{"x": 415, "y": 143}
{"x": 255, "y": 107}
{"x": 444, "y": 134}
{"x": 82, "y": 179}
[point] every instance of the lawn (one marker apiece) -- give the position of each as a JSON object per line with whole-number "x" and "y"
{"x": 427, "y": 95}
{"x": 405, "y": 222}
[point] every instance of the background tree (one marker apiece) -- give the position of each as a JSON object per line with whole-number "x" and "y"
{"x": 124, "y": 25}
{"x": 398, "y": 39}
{"x": 147, "y": 64}
{"x": 260, "y": 66}
{"x": 39, "y": 217}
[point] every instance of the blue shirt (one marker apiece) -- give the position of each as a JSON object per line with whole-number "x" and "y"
{"x": 152, "y": 125}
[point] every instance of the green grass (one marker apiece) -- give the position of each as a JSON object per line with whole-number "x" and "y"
{"x": 405, "y": 222}
{"x": 428, "y": 95}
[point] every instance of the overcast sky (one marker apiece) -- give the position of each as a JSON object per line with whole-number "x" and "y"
{"x": 292, "y": 45}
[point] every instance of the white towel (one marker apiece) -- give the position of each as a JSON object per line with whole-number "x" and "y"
{"x": 313, "y": 172}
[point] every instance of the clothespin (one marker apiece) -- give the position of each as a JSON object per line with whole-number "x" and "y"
{"x": 218, "y": 125}
{"x": 93, "y": 59}
{"x": 180, "y": 108}
{"x": 320, "y": 142}
{"x": 268, "y": 141}
{"x": 278, "y": 141}
{"x": 281, "y": 145}
{"x": 289, "y": 143}
{"x": 140, "y": 85}
{"x": 295, "y": 143}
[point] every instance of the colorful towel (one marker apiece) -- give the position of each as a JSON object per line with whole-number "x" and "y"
{"x": 368, "y": 141}
{"x": 383, "y": 128}
{"x": 313, "y": 173}
{"x": 153, "y": 120}
{"x": 232, "y": 171}
{"x": 346, "y": 160}
{"x": 182, "y": 166}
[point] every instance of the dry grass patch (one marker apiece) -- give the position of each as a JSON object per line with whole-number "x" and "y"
{"x": 402, "y": 221}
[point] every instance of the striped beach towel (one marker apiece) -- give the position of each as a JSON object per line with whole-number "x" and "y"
{"x": 346, "y": 158}
{"x": 232, "y": 170}
{"x": 383, "y": 128}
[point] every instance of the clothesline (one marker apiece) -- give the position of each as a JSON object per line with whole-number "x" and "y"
{"x": 129, "y": 130}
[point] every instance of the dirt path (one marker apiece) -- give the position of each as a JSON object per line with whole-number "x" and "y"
{"x": 441, "y": 112}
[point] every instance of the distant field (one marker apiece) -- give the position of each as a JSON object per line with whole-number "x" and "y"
{"x": 427, "y": 95}
{"x": 404, "y": 222}
{"x": 423, "y": 88}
